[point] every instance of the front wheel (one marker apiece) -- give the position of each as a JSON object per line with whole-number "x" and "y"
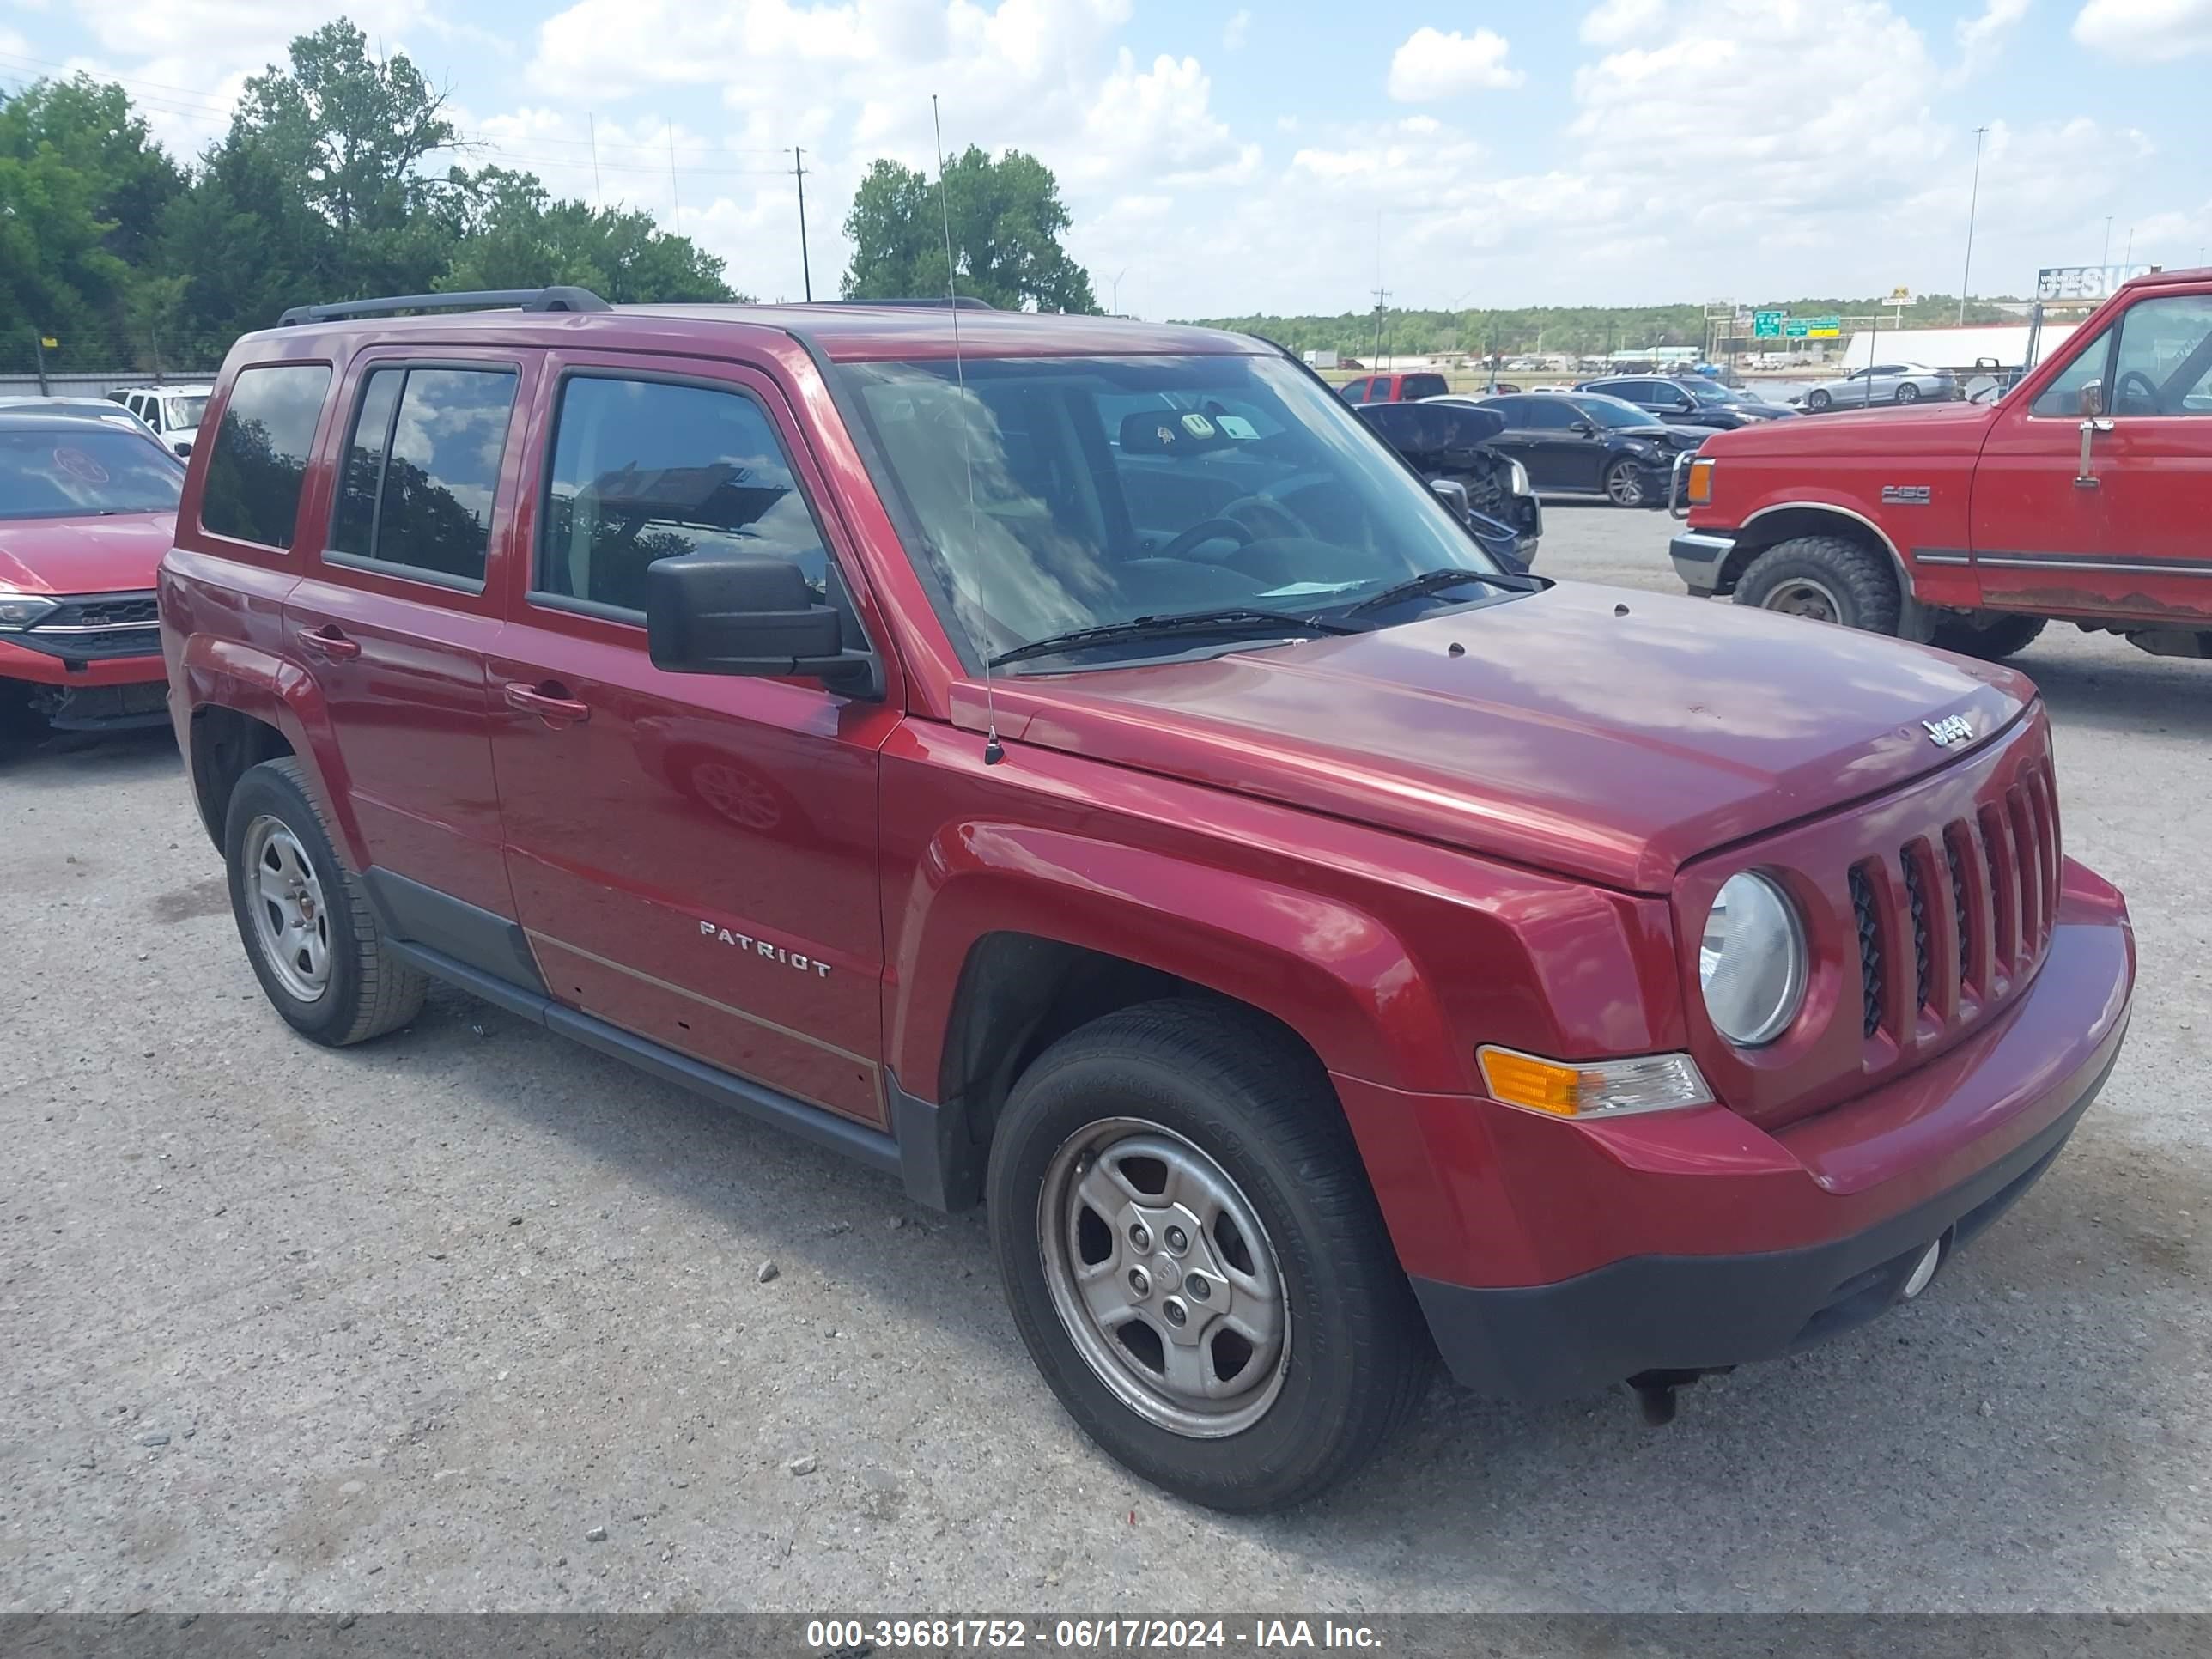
{"x": 1195, "y": 1259}
{"x": 1824, "y": 579}
{"x": 1817, "y": 401}
{"x": 1624, "y": 484}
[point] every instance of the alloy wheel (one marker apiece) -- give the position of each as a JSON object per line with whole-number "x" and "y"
{"x": 1165, "y": 1279}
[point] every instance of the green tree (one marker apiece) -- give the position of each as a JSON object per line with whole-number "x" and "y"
{"x": 81, "y": 186}
{"x": 516, "y": 234}
{"x": 1006, "y": 222}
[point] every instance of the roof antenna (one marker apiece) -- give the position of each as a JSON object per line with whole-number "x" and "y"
{"x": 993, "y": 751}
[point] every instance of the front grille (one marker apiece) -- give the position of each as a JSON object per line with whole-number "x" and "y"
{"x": 97, "y": 627}
{"x": 1870, "y": 947}
{"x": 2000, "y": 866}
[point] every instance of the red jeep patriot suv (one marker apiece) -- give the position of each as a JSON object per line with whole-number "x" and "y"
{"x": 1074, "y": 765}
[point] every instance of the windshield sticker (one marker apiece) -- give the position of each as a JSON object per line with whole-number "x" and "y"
{"x": 1236, "y": 426}
{"x": 1197, "y": 425}
{"x": 78, "y": 465}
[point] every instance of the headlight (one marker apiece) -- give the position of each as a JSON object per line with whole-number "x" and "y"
{"x": 18, "y": 611}
{"x": 1520, "y": 478}
{"x": 1750, "y": 962}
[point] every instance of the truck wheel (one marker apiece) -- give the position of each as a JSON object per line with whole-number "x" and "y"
{"x": 1194, "y": 1258}
{"x": 1826, "y": 579}
{"x": 1623, "y": 484}
{"x": 1991, "y": 635}
{"x": 304, "y": 918}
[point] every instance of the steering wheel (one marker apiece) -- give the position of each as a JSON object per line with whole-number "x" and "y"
{"x": 1288, "y": 522}
{"x": 2149, "y": 390}
{"x": 1206, "y": 530}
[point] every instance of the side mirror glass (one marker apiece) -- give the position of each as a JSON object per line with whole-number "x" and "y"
{"x": 746, "y": 613}
{"x": 2093, "y": 400}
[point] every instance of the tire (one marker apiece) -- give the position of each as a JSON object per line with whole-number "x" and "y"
{"x": 1907, "y": 392}
{"x": 273, "y": 826}
{"x": 1624, "y": 485}
{"x": 1215, "y": 1088}
{"x": 1826, "y": 577}
{"x": 1818, "y": 400}
{"x": 1991, "y": 635}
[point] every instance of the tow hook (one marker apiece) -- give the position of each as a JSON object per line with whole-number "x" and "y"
{"x": 1655, "y": 1392}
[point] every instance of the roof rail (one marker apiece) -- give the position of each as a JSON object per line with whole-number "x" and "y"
{"x": 966, "y": 302}
{"x": 526, "y": 298}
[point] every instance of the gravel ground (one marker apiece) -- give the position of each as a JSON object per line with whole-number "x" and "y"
{"x": 470, "y": 1318}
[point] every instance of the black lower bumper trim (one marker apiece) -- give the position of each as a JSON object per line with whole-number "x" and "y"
{"x": 1709, "y": 1312}
{"x": 124, "y": 708}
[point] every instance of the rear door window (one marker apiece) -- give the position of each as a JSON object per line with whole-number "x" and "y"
{"x": 260, "y": 457}
{"x": 421, "y": 472}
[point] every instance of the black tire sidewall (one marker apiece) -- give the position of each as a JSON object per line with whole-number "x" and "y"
{"x": 1259, "y": 1468}
{"x": 268, "y": 791}
{"x": 1865, "y": 590}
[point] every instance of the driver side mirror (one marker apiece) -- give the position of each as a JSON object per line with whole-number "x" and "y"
{"x": 747, "y": 613}
{"x": 2093, "y": 400}
{"x": 1585, "y": 428}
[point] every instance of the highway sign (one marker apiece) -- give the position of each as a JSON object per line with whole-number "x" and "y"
{"x": 1767, "y": 324}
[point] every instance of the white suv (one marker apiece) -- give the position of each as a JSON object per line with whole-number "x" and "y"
{"x": 173, "y": 411}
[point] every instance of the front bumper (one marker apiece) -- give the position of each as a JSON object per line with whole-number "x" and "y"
{"x": 1699, "y": 556}
{"x": 1554, "y": 1258}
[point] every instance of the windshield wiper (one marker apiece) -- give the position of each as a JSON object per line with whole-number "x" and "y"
{"x": 1239, "y": 618}
{"x": 1436, "y": 582}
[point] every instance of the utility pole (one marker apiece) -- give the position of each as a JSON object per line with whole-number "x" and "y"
{"x": 1116, "y": 302}
{"x": 1380, "y": 294}
{"x": 39, "y": 346}
{"x": 798, "y": 172}
{"x": 592, "y": 126}
{"x": 1973, "y": 201}
{"x": 674, "y": 200}
{"x": 2128, "y": 257}
{"x": 2107, "y": 259}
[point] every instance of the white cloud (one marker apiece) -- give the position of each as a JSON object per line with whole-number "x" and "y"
{"x": 2145, "y": 28}
{"x": 1237, "y": 30}
{"x": 1433, "y": 65}
{"x": 1981, "y": 38}
{"x": 1616, "y": 23}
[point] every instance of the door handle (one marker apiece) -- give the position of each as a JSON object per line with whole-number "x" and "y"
{"x": 2086, "y": 478}
{"x": 552, "y": 706}
{"x": 328, "y": 641}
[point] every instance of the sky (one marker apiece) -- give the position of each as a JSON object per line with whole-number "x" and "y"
{"x": 1225, "y": 157}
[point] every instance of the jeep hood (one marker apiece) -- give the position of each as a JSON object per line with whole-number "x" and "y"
{"x": 108, "y": 554}
{"x": 1600, "y": 733}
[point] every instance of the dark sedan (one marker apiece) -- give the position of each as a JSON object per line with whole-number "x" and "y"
{"x": 1696, "y": 402}
{"x": 1577, "y": 445}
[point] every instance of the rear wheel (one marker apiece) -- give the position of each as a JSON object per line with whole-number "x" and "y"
{"x": 1989, "y": 634}
{"x": 1624, "y": 485}
{"x": 1907, "y": 392}
{"x": 1824, "y": 579}
{"x": 304, "y": 918}
{"x": 1195, "y": 1259}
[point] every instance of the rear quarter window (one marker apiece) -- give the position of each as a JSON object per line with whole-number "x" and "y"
{"x": 1424, "y": 386}
{"x": 259, "y": 459}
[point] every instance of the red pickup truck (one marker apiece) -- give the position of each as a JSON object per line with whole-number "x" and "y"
{"x": 1073, "y": 766}
{"x": 2080, "y": 496}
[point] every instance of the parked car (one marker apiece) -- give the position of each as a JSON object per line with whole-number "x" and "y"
{"x": 1319, "y": 948}
{"x": 1884, "y": 383}
{"x": 1393, "y": 388}
{"x": 86, "y": 507}
{"x": 1452, "y": 445}
{"x": 174, "y": 411}
{"x": 1585, "y": 445}
{"x": 110, "y": 412}
{"x": 1687, "y": 403}
{"x": 2077, "y": 495}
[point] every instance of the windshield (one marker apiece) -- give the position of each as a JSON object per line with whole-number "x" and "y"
{"x": 183, "y": 412}
{"x": 62, "y": 472}
{"x": 1107, "y": 489}
{"x": 1706, "y": 393}
{"x": 1606, "y": 411}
